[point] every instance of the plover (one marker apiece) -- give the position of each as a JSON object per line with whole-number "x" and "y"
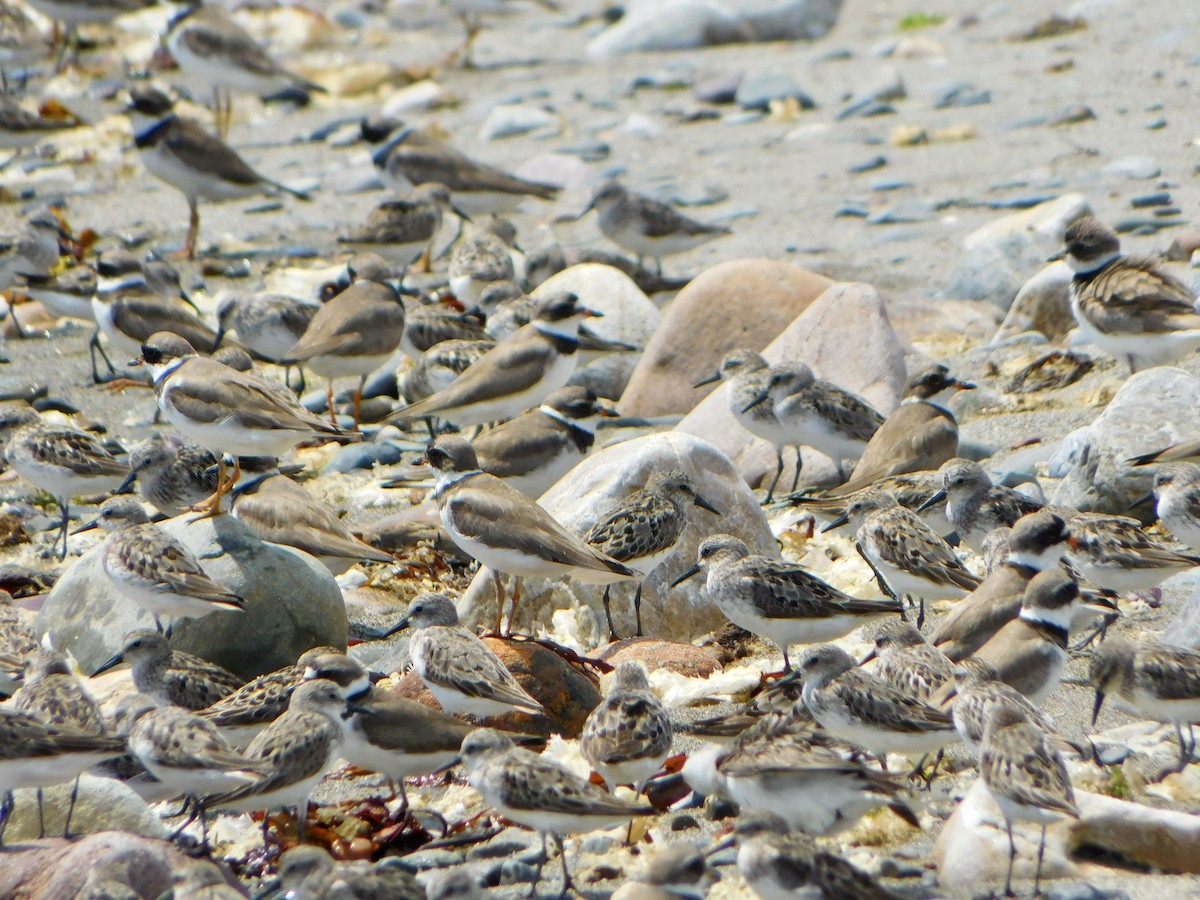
{"x": 293, "y": 754}
{"x": 778, "y": 600}
{"x": 859, "y": 707}
{"x": 403, "y": 230}
{"x": 1177, "y": 496}
{"x": 171, "y": 475}
{"x": 153, "y": 569}
{"x": 515, "y": 375}
{"x": 203, "y": 167}
{"x": 310, "y": 873}
{"x": 351, "y": 335}
{"x": 907, "y": 662}
{"x": 627, "y": 738}
{"x": 410, "y": 158}
{"x": 280, "y": 511}
{"x": 63, "y": 461}
{"x": 1036, "y": 543}
{"x": 243, "y": 713}
{"x": 224, "y": 410}
{"x": 1130, "y": 308}
{"x": 816, "y": 413}
{"x": 1159, "y": 681}
{"x": 171, "y": 676}
{"x": 215, "y": 51}
{"x": 460, "y": 670}
{"x": 1030, "y": 651}
{"x": 907, "y": 556}
{"x": 538, "y": 793}
{"x": 644, "y": 530}
{"x": 387, "y": 734}
{"x": 920, "y": 434}
{"x": 646, "y": 226}
{"x": 974, "y": 505}
{"x": 777, "y": 863}
{"x": 1026, "y": 777}
{"x": 1113, "y": 553}
{"x": 675, "y": 872}
{"x": 977, "y": 691}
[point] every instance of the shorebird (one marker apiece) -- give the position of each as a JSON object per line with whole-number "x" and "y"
{"x": 627, "y": 738}
{"x": 506, "y": 531}
{"x": 63, "y": 461}
{"x": 216, "y": 52}
{"x": 920, "y": 434}
{"x": 1157, "y": 680}
{"x": 538, "y": 793}
{"x": 410, "y": 158}
{"x": 171, "y": 475}
{"x": 67, "y": 294}
{"x": 975, "y": 506}
{"x": 1113, "y": 553}
{"x": 438, "y": 367}
{"x": 778, "y": 600}
{"x": 224, "y": 410}
{"x": 515, "y": 375}
{"x": 18, "y": 642}
{"x": 646, "y": 226}
{"x": 445, "y": 319}
{"x": 203, "y": 167}
{"x": 977, "y": 691}
{"x": 1177, "y": 501}
{"x": 675, "y": 872}
{"x": 907, "y": 662}
{"x": 30, "y": 247}
{"x": 21, "y": 128}
{"x": 154, "y": 570}
{"x": 73, "y": 13}
{"x": 403, "y": 230}
{"x": 310, "y": 873}
{"x": 460, "y": 670}
{"x": 644, "y": 530}
{"x": 1128, "y": 307}
{"x": 268, "y": 324}
{"x": 471, "y": 13}
{"x": 482, "y": 258}
{"x": 171, "y": 676}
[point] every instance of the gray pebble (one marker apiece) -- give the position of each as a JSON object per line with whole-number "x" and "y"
{"x": 1161, "y": 198}
{"x": 1080, "y": 890}
{"x": 433, "y": 859}
{"x": 960, "y": 94}
{"x": 514, "y": 871}
{"x": 362, "y": 456}
{"x": 757, "y": 91}
{"x": 719, "y": 89}
{"x": 1136, "y": 167}
{"x": 896, "y": 868}
{"x": 870, "y": 165}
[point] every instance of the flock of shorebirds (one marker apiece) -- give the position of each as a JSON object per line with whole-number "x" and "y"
{"x": 806, "y": 758}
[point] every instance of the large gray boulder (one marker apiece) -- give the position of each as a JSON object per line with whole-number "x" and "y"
{"x": 1152, "y": 410}
{"x": 598, "y": 485}
{"x": 102, "y": 804}
{"x": 292, "y": 603}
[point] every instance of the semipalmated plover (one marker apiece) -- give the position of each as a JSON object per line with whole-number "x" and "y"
{"x": 778, "y": 600}
{"x": 627, "y": 738}
{"x": 1130, "y": 308}
{"x": 171, "y": 676}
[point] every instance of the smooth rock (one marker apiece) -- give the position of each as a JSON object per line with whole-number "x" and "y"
{"x": 411, "y": 98}
{"x": 103, "y": 804}
{"x": 845, "y": 336}
{"x": 996, "y": 270}
{"x": 1137, "y": 168}
{"x": 292, "y": 603}
{"x": 886, "y": 87}
{"x": 362, "y": 456}
{"x": 1043, "y": 305}
{"x": 1048, "y": 220}
{"x": 1153, "y": 409}
{"x": 596, "y": 486}
{"x": 511, "y": 120}
{"x": 685, "y": 24}
{"x": 740, "y": 303}
{"x": 719, "y": 88}
{"x": 758, "y": 90}
{"x": 56, "y": 868}
{"x": 674, "y": 656}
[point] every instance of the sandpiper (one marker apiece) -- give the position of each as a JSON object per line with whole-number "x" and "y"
{"x": 403, "y": 230}
{"x": 907, "y": 662}
{"x": 1130, "y": 308}
{"x": 479, "y": 260}
{"x": 153, "y": 569}
{"x": 353, "y": 334}
{"x": 646, "y": 226}
{"x": 675, "y": 872}
{"x": 627, "y": 738}
{"x": 73, "y": 13}
{"x": 921, "y": 433}
{"x": 446, "y": 319}
{"x": 268, "y": 324}
{"x": 171, "y": 676}
{"x": 977, "y": 691}
{"x": 29, "y": 248}
{"x": 293, "y": 754}
{"x": 280, "y": 511}
{"x": 460, "y": 670}
{"x": 506, "y": 531}
{"x": 224, "y": 410}
{"x": 63, "y": 461}
{"x": 1157, "y": 680}
{"x": 777, "y": 600}
{"x": 538, "y": 793}
{"x": 818, "y": 414}
{"x": 310, "y": 873}
{"x": 1113, "y": 553}
{"x": 911, "y": 490}
{"x": 859, "y": 707}
{"x": 171, "y": 475}
{"x": 777, "y": 863}
{"x": 1026, "y": 777}
{"x": 1036, "y": 543}
{"x": 215, "y": 51}
{"x": 410, "y": 158}
{"x": 51, "y": 692}
{"x": 645, "y": 529}
{"x": 974, "y": 505}
{"x": 745, "y": 371}
{"x": 439, "y": 366}
{"x": 18, "y": 642}
{"x": 21, "y": 128}
{"x": 203, "y": 167}
{"x": 1177, "y": 495}
{"x": 515, "y": 375}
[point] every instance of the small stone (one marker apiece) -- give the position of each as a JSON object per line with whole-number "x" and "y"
{"x": 908, "y": 136}
{"x": 717, "y": 808}
{"x": 997, "y": 270}
{"x": 423, "y": 860}
{"x": 756, "y": 91}
{"x": 870, "y": 165}
{"x": 960, "y": 94}
{"x": 1138, "y": 168}
{"x": 506, "y": 121}
{"x": 1081, "y": 890}
{"x": 1161, "y": 198}
{"x": 674, "y": 656}
{"x": 1072, "y": 115}
{"x": 515, "y": 872}
{"x": 684, "y": 822}
{"x": 718, "y": 89}
{"x": 363, "y": 456}
{"x": 906, "y": 212}
{"x": 891, "y": 867}
{"x": 1043, "y": 304}
{"x": 102, "y": 804}
{"x": 1156, "y": 124}
{"x": 598, "y": 844}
